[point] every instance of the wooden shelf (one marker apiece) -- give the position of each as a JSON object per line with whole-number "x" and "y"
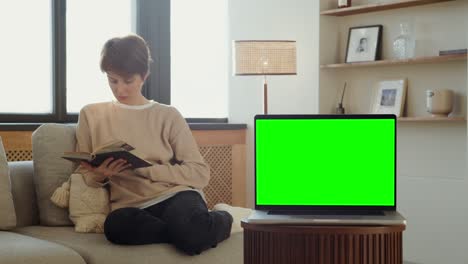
{"x": 432, "y": 119}
{"x": 378, "y": 7}
{"x": 419, "y": 60}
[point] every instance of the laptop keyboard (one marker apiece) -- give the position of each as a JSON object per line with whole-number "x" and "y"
{"x": 328, "y": 212}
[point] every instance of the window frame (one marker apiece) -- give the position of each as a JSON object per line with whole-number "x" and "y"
{"x": 158, "y": 85}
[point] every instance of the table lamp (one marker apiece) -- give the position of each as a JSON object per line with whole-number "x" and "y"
{"x": 264, "y": 57}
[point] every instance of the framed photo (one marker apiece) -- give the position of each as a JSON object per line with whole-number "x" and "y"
{"x": 389, "y": 97}
{"x": 364, "y": 44}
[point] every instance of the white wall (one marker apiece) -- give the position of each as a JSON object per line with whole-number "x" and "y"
{"x": 432, "y": 182}
{"x": 274, "y": 20}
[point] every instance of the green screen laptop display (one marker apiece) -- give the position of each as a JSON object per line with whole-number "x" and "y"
{"x": 325, "y": 161}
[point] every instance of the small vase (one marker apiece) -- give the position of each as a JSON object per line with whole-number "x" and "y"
{"x": 439, "y": 102}
{"x": 404, "y": 44}
{"x": 344, "y": 3}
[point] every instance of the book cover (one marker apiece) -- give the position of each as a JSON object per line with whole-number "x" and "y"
{"x": 114, "y": 149}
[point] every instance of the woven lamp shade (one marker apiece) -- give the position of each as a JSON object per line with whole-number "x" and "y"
{"x": 255, "y": 57}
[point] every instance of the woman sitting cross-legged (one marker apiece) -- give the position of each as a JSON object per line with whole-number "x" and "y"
{"x": 162, "y": 203}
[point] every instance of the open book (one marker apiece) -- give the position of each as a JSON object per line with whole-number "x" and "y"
{"x": 116, "y": 149}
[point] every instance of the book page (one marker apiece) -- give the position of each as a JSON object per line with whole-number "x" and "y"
{"x": 78, "y": 155}
{"x": 114, "y": 145}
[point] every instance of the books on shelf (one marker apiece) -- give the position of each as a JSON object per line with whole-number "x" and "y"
{"x": 453, "y": 52}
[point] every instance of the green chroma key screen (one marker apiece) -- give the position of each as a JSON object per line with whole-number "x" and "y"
{"x": 325, "y": 162}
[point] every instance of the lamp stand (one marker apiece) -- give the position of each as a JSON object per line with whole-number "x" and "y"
{"x": 265, "y": 95}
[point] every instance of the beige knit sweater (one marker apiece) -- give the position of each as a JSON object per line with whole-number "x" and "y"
{"x": 159, "y": 134}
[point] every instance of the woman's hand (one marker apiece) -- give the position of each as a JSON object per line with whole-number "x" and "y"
{"x": 108, "y": 168}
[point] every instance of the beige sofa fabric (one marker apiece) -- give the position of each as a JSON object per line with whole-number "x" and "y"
{"x": 24, "y": 194}
{"x": 7, "y": 208}
{"x": 21, "y": 249}
{"x": 49, "y": 142}
{"x": 94, "y": 248}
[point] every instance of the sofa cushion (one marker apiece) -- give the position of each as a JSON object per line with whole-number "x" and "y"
{"x": 49, "y": 142}
{"x": 7, "y": 208}
{"x": 94, "y": 248}
{"x": 17, "y": 248}
{"x": 24, "y": 193}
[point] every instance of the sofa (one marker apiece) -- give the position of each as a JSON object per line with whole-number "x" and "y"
{"x": 42, "y": 233}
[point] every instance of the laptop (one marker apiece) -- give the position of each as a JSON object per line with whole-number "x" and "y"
{"x": 325, "y": 169}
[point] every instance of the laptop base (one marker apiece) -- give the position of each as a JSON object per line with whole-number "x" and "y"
{"x": 388, "y": 218}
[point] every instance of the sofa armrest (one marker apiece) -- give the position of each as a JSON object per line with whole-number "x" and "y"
{"x": 24, "y": 193}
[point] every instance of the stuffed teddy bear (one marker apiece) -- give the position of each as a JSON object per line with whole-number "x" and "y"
{"x": 88, "y": 206}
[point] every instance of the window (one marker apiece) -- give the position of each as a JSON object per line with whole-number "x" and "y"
{"x": 26, "y": 52}
{"x": 199, "y": 57}
{"x": 51, "y": 51}
{"x": 90, "y": 24}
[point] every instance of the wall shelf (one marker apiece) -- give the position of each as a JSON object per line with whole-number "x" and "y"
{"x": 432, "y": 119}
{"x": 418, "y": 60}
{"x": 378, "y": 7}
{"x": 445, "y": 70}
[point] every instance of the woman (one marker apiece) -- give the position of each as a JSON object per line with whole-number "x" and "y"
{"x": 158, "y": 204}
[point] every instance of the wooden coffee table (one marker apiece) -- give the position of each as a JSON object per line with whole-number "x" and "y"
{"x": 327, "y": 244}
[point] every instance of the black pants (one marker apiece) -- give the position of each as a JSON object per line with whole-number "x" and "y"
{"x": 183, "y": 220}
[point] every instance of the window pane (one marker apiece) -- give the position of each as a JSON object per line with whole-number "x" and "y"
{"x": 26, "y": 53}
{"x": 199, "y": 57}
{"x": 90, "y": 24}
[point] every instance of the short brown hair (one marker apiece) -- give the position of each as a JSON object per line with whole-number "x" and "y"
{"x": 126, "y": 56}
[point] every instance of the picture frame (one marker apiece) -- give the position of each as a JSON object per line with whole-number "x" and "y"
{"x": 389, "y": 96}
{"x": 364, "y": 44}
